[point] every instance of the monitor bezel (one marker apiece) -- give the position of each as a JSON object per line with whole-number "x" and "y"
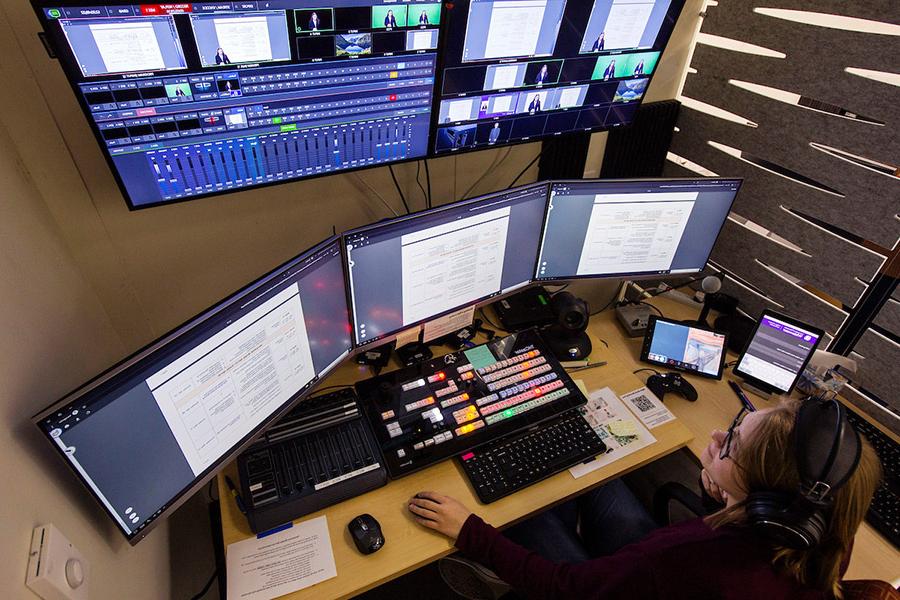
{"x": 124, "y": 368}
{"x": 439, "y": 85}
{"x": 389, "y": 337}
{"x": 759, "y": 383}
{"x": 50, "y": 39}
{"x": 632, "y": 276}
{"x": 648, "y": 340}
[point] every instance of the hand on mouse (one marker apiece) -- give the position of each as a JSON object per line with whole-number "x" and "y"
{"x": 441, "y": 513}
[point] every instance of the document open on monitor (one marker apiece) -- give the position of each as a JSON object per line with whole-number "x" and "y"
{"x": 627, "y": 235}
{"x": 215, "y": 394}
{"x": 128, "y": 46}
{"x": 244, "y": 39}
{"x": 450, "y": 265}
{"x": 515, "y": 28}
{"x": 626, "y": 23}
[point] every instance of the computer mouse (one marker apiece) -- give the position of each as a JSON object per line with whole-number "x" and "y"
{"x": 366, "y": 533}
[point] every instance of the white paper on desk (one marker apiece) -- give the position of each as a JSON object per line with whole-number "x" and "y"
{"x": 280, "y": 563}
{"x": 607, "y": 414}
{"x": 648, "y": 407}
{"x": 449, "y": 324}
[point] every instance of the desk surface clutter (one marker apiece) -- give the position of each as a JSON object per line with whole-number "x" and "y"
{"x": 410, "y": 546}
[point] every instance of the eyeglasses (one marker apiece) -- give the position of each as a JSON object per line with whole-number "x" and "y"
{"x": 729, "y": 435}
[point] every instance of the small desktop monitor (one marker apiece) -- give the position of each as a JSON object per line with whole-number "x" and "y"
{"x": 412, "y": 269}
{"x": 640, "y": 228}
{"x": 520, "y": 70}
{"x": 189, "y": 100}
{"x": 777, "y": 352}
{"x": 151, "y": 430}
{"x": 675, "y": 345}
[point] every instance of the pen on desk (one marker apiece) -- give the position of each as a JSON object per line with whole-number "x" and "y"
{"x": 588, "y": 366}
{"x": 742, "y": 396}
{"x": 237, "y": 497}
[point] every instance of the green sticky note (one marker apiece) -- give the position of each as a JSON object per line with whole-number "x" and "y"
{"x": 480, "y": 357}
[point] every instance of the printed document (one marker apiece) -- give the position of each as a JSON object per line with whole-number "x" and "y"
{"x": 128, "y": 46}
{"x": 617, "y": 427}
{"x": 504, "y": 77}
{"x": 627, "y": 235}
{"x": 269, "y": 566}
{"x": 515, "y": 28}
{"x": 626, "y": 23}
{"x": 215, "y": 394}
{"x": 452, "y": 264}
{"x": 245, "y": 39}
{"x": 649, "y": 409}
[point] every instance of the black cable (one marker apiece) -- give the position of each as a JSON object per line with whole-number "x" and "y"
{"x": 607, "y": 305}
{"x": 399, "y": 191}
{"x": 428, "y": 180}
{"x": 659, "y": 312}
{"x": 329, "y": 387}
{"x": 528, "y": 166}
{"x": 424, "y": 195}
{"x": 648, "y": 369}
{"x": 207, "y": 586}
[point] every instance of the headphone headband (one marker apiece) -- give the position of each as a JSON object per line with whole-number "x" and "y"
{"x": 828, "y": 449}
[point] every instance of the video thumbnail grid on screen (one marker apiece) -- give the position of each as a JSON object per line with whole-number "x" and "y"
{"x": 515, "y": 70}
{"x": 195, "y": 99}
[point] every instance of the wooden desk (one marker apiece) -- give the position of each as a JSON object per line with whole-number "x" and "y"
{"x": 873, "y": 556}
{"x": 410, "y": 546}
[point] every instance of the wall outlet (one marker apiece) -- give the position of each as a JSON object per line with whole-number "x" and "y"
{"x": 56, "y": 569}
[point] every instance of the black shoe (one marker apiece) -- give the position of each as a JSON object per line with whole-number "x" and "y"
{"x": 471, "y": 580}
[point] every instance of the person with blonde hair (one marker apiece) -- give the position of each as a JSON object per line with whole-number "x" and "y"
{"x": 794, "y": 483}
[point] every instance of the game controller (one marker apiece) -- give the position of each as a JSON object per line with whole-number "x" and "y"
{"x": 671, "y": 382}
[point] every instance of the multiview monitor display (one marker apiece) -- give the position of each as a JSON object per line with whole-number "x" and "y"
{"x": 518, "y": 70}
{"x": 147, "y": 433}
{"x": 635, "y": 228}
{"x": 188, "y": 100}
{"x": 410, "y": 270}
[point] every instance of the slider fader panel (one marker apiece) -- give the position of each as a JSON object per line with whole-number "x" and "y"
{"x": 430, "y": 412}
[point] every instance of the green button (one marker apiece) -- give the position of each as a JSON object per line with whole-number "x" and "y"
{"x": 291, "y": 127}
{"x": 276, "y": 120}
{"x": 54, "y": 12}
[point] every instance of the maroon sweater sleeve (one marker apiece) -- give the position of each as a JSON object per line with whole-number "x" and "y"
{"x": 538, "y": 577}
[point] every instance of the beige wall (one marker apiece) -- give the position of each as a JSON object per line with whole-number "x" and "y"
{"x": 85, "y": 281}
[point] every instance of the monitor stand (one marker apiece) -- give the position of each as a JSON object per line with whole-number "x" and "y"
{"x": 757, "y": 390}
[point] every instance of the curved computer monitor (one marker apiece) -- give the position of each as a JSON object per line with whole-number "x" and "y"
{"x": 150, "y": 431}
{"x": 632, "y": 228}
{"x": 409, "y": 270}
{"x": 189, "y": 100}
{"x": 516, "y": 71}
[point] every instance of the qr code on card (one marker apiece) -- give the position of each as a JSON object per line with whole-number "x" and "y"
{"x": 642, "y": 403}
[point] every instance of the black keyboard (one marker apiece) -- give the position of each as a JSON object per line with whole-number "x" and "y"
{"x": 884, "y": 513}
{"x": 503, "y": 466}
{"x": 320, "y": 453}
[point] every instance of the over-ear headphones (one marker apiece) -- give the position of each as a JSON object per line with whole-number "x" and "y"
{"x": 827, "y": 448}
